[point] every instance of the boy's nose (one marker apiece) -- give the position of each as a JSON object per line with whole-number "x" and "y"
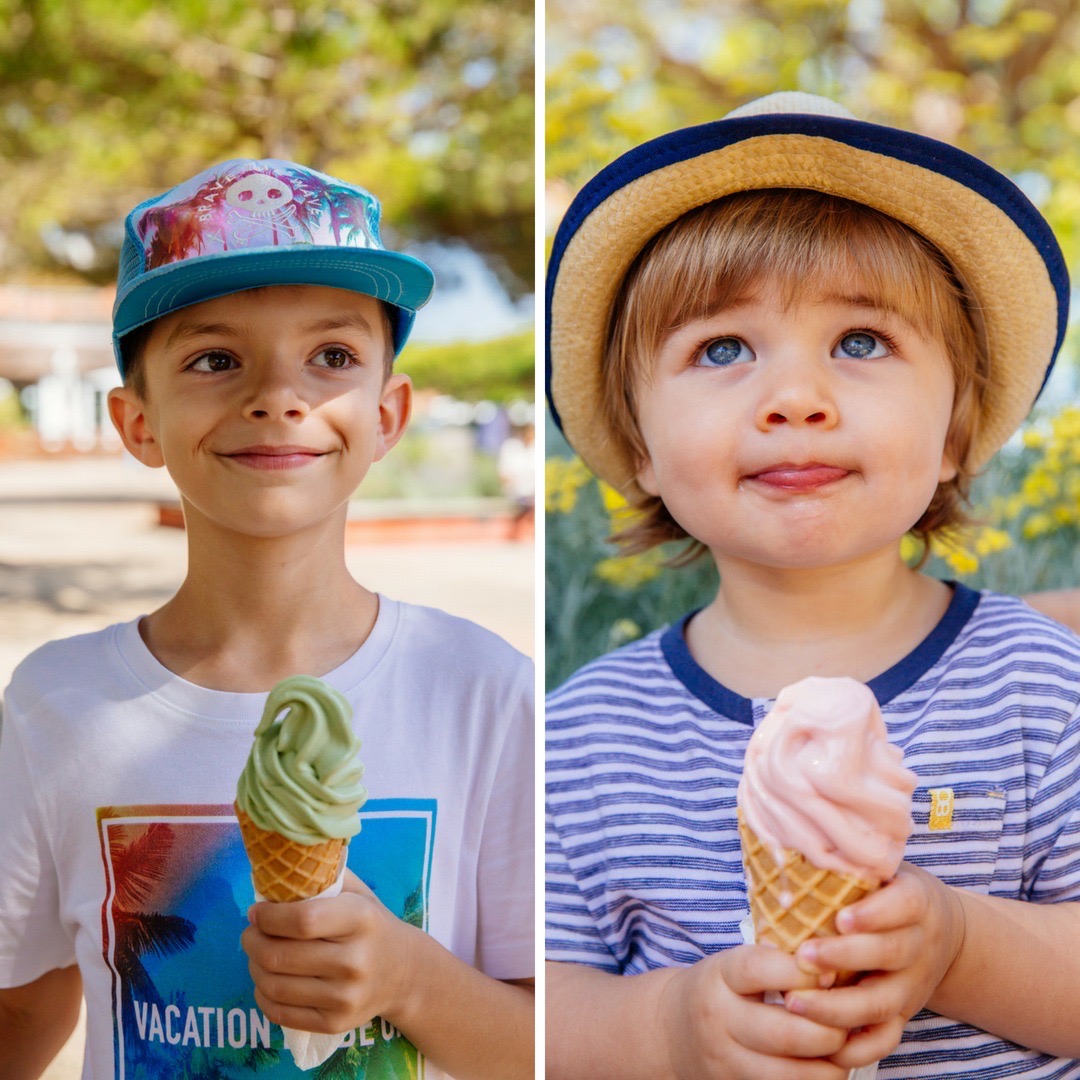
{"x": 274, "y": 395}
{"x": 797, "y": 400}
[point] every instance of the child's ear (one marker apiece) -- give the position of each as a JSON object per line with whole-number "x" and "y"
{"x": 646, "y": 477}
{"x": 128, "y": 413}
{"x": 949, "y": 457}
{"x": 949, "y": 468}
{"x": 395, "y": 408}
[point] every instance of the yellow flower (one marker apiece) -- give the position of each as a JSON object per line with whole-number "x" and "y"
{"x": 950, "y": 548}
{"x": 612, "y": 499}
{"x": 563, "y": 479}
{"x": 622, "y": 631}
{"x": 620, "y": 513}
{"x": 1037, "y": 525}
{"x": 629, "y": 571}
{"x": 963, "y": 562}
{"x": 989, "y": 541}
{"x": 910, "y": 548}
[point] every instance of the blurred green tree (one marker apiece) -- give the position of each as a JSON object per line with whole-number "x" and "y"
{"x": 999, "y": 78}
{"x": 105, "y": 102}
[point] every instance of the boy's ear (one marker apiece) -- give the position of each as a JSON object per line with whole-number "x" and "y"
{"x": 646, "y": 477}
{"x": 395, "y": 408}
{"x": 128, "y": 413}
{"x": 949, "y": 469}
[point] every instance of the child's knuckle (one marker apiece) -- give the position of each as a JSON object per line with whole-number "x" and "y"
{"x": 307, "y": 921}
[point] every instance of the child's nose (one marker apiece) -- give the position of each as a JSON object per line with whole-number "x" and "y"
{"x": 274, "y": 395}
{"x": 800, "y": 398}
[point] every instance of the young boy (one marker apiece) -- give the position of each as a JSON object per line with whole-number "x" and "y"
{"x": 792, "y": 337}
{"x": 257, "y": 319}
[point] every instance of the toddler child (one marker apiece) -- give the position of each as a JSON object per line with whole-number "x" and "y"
{"x": 257, "y": 319}
{"x": 792, "y": 337}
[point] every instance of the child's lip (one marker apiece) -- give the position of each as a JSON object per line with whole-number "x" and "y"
{"x": 274, "y": 457}
{"x": 806, "y": 476}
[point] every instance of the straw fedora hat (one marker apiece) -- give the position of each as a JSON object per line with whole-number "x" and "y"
{"x": 1000, "y": 246}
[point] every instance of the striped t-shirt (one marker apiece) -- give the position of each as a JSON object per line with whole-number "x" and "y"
{"x": 645, "y": 750}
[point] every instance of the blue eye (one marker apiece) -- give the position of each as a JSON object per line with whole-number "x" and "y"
{"x": 213, "y": 361}
{"x": 723, "y": 352}
{"x": 860, "y": 345}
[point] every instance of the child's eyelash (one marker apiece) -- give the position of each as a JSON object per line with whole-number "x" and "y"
{"x": 883, "y": 336}
{"x": 350, "y": 354}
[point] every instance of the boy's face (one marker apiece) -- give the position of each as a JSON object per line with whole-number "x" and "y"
{"x": 267, "y": 407}
{"x": 800, "y": 436}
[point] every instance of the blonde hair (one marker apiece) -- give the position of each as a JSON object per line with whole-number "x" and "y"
{"x": 798, "y": 240}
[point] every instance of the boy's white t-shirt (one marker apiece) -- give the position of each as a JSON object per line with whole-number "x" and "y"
{"x": 119, "y": 849}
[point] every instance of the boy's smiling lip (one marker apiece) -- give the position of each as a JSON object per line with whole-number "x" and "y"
{"x": 798, "y": 476}
{"x": 272, "y": 457}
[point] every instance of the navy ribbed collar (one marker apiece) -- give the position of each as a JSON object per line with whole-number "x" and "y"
{"x": 886, "y": 686}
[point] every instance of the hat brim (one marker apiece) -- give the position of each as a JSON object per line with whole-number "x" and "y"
{"x": 999, "y": 244}
{"x": 400, "y": 280}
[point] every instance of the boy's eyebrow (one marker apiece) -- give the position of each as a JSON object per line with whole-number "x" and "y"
{"x": 862, "y": 300}
{"x": 351, "y": 321}
{"x": 184, "y": 330}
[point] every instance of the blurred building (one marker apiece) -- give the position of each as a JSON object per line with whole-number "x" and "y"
{"x": 55, "y": 349}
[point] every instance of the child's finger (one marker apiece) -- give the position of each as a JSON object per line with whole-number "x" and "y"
{"x": 754, "y": 969}
{"x": 903, "y": 902}
{"x": 308, "y": 920}
{"x": 302, "y": 1017}
{"x": 286, "y": 956}
{"x": 889, "y": 951}
{"x": 352, "y": 884}
{"x": 302, "y": 991}
{"x": 871, "y": 1044}
{"x": 767, "y": 1029}
{"x": 874, "y": 1000}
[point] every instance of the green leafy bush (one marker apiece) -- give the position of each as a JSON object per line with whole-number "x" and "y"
{"x": 500, "y": 370}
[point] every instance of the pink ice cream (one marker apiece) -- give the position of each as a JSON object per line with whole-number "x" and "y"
{"x": 821, "y": 778}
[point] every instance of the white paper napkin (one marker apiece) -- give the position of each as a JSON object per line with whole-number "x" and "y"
{"x": 309, "y": 1048}
{"x": 774, "y": 997}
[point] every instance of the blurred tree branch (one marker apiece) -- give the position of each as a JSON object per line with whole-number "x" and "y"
{"x": 105, "y": 102}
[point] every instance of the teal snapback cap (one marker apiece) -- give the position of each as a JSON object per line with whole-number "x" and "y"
{"x": 249, "y": 223}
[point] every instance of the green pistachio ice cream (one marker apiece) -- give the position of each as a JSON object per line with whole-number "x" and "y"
{"x": 303, "y": 776}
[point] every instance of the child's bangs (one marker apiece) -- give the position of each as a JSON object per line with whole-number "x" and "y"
{"x": 802, "y": 242}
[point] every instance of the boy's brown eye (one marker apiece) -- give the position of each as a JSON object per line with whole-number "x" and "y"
{"x": 335, "y": 358}
{"x": 213, "y": 361}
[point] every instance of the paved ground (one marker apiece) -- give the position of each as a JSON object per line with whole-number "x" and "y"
{"x": 80, "y": 547}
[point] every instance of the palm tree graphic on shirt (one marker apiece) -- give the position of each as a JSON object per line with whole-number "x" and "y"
{"x": 139, "y": 865}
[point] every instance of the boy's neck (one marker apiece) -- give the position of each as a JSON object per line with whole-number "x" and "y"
{"x": 252, "y": 612}
{"x": 767, "y": 629}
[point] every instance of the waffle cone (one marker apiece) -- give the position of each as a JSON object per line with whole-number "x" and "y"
{"x": 283, "y": 869}
{"x": 816, "y": 896}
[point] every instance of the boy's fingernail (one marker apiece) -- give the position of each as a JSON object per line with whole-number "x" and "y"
{"x": 795, "y": 1004}
{"x": 826, "y": 981}
{"x": 845, "y": 921}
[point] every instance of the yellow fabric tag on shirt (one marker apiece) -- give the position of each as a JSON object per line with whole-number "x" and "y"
{"x": 941, "y": 808}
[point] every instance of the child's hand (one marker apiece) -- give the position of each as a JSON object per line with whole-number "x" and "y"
{"x": 718, "y": 1026}
{"x": 328, "y": 965}
{"x": 906, "y": 935}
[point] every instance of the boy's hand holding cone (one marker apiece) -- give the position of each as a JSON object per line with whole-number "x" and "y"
{"x": 297, "y": 801}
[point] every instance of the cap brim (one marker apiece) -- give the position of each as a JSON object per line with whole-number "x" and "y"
{"x": 1003, "y": 250}
{"x": 399, "y": 280}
